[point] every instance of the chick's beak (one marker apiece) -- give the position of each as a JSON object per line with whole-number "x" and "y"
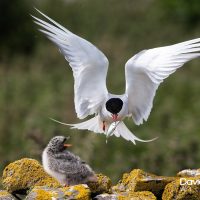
{"x": 67, "y": 145}
{"x": 114, "y": 117}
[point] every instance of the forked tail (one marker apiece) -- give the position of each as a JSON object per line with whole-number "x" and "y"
{"x": 123, "y": 131}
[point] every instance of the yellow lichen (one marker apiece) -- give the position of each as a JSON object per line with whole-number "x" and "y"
{"x": 39, "y": 193}
{"x": 24, "y": 174}
{"x": 103, "y": 184}
{"x": 78, "y": 192}
{"x": 3, "y": 193}
{"x": 83, "y": 192}
{"x": 176, "y": 191}
{"x": 144, "y": 195}
{"x": 67, "y": 192}
{"x": 138, "y": 180}
{"x": 141, "y": 195}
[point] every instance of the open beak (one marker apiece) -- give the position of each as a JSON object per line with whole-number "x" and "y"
{"x": 67, "y": 145}
{"x": 114, "y": 117}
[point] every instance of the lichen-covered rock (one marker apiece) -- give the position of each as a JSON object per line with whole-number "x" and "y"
{"x": 183, "y": 189}
{"x": 25, "y": 174}
{"x": 189, "y": 173}
{"x": 145, "y": 195}
{"x": 4, "y": 195}
{"x": 107, "y": 197}
{"x": 138, "y": 180}
{"x": 76, "y": 192}
{"x": 103, "y": 185}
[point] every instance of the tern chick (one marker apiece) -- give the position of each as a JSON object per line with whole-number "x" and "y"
{"x": 63, "y": 165}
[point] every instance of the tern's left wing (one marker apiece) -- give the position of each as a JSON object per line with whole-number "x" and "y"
{"x": 147, "y": 69}
{"x": 89, "y": 66}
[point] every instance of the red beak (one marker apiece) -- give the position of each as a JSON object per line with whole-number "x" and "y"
{"x": 114, "y": 116}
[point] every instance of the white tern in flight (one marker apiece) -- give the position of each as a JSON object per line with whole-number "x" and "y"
{"x": 144, "y": 72}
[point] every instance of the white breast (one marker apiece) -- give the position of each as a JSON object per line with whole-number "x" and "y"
{"x": 45, "y": 162}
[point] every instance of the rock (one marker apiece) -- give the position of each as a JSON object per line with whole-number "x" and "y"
{"x": 189, "y": 173}
{"x": 103, "y": 184}
{"x": 107, "y": 197}
{"x": 188, "y": 190}
{"x": 4, "y": 195}
{"x": 78, "y": 192}
{"x": 138, "y": 180}
{"x": 145, "y": 195}
{"x": 25, "y": 174}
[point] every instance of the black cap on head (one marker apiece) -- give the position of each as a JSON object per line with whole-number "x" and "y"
{"x": 114, "y": 105}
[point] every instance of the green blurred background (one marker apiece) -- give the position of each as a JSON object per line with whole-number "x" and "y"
{"x": 36, "y": 82}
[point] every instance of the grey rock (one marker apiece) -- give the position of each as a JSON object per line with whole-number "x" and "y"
{"x": 107, "y": 197}
{"x": 4, "y": 195}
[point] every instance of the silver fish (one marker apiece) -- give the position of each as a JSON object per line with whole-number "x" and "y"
{"x": 111, "y": 129}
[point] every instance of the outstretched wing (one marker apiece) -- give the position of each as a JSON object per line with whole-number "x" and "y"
{"x": 89, "y": 66}
{"x": 147, "y": 69}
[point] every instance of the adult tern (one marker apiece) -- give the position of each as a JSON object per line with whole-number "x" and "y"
{"x": 144, "y": 72}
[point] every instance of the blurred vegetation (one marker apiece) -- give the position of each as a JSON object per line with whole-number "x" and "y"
{"x": 36, "y": 82}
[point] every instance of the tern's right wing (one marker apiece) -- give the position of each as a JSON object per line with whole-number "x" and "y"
{"x": 147, "y": 69}
{"x": 89, "y": 66}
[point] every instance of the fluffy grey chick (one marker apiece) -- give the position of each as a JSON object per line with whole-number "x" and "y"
{"x": 67, "y": 168}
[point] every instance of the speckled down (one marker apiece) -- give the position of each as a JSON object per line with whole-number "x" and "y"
{"x": 79, "y": 192}
{"x": 103, "y": 185}
{"x": 25, "y": 174}
{"x": 138, "y": 180}
{"x": 176, "y": 191}
{"x": 4, "y": 195}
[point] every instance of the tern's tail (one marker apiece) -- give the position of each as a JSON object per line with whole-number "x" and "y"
{"x": 123, "y": 131}
{"x": 92, "y": 124}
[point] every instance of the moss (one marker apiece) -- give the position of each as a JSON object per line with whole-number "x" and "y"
{"x": 103, "y": 185}
{"x": 175, "y": 191}
{"x": 138, "y": 180}
{"x": 25, "y": 174}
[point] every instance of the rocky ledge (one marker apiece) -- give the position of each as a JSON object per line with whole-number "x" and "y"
{"x": 26, "y": 179}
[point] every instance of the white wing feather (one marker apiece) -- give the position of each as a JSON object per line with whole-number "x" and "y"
{"x": 147, "y": 69}
{"x": 89, "y": 66}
